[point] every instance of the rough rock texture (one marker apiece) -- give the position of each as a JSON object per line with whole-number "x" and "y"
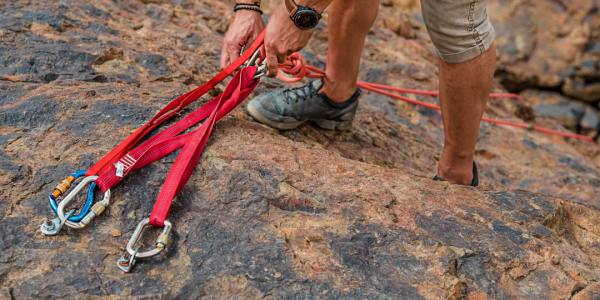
{"x": 299, "y": 214}
{"x": 571, "y": 114}
{"x": 550, "y": 44}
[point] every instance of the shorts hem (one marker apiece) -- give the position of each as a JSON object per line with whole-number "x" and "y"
{"x": 470, "y": 53}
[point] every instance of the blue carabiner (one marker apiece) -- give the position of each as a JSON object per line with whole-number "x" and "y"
{"x": 86, "y": 206}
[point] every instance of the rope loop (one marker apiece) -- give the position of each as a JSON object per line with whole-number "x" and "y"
{"x": 294, "y": 69}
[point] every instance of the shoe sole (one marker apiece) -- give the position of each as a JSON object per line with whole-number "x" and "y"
{"x": 325, "y": 124}
{"x": 262, "y": 119}
{"x": 333, "y": 125}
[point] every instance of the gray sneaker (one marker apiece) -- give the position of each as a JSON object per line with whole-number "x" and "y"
{"x": 289, "y": 108}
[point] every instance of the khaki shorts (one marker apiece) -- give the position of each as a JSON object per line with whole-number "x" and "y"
{"x": 460, "y": 29}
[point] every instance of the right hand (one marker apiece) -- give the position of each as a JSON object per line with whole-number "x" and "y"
{"x": 245, "y": 28}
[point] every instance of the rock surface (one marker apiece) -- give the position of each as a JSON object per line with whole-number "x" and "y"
{"x": 299, "y": 214}
{"x": 551, "y": 105}
{"x": 549, "y": 44}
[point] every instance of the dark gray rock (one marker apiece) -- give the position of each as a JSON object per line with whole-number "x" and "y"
{"x": 591, "y": 119}
{"x": 568, "y": 113}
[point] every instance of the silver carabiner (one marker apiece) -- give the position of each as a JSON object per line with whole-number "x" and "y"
{"x": 95, "y": 211}
{"x": 127, "y": 261}
{"x": 55, "y": 225}
{"x": 261, "y": 70}
{"x": 253, "y": 59}
{"x": 261, "y": 66}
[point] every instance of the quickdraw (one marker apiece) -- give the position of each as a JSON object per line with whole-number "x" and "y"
{"x": 192, "y": 144}
{"x": 124, "y": 158}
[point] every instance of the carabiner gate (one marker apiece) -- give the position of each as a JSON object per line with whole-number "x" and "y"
{"x": 63, "y": 187}
{"x": 127, "y": 261}
{"x": 254, "y": 60}
{"x": 96, "y": 209}
{"x": 261, "y": 71}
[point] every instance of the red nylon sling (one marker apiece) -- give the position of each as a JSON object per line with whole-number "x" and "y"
{"x": 171, "y": 109}
{"x": 242, "y": 85}
{"x": 193, "y": 143}
{"x": 155, "y": 147}
{"x": 169, "y": 139}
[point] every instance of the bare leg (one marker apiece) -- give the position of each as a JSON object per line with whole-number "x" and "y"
{"x": 464, "y": 89}
{"x": 349, "y": 26}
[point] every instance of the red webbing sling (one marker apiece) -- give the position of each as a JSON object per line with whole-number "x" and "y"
{"x": 171, "y": 110}
{"x": 157, "y": 146}
{"x": 241, "y": 86}
{"x": 169, "y": 139}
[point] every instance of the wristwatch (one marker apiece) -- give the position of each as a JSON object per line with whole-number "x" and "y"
{"x": 303, "y": 16}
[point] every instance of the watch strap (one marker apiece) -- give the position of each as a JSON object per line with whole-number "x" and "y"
{"x": 292, "y": 7}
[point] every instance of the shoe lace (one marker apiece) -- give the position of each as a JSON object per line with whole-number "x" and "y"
{"x": 299, "y": 93}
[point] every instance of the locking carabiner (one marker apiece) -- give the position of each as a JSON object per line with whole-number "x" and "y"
{"x": 261, "y": 71}
{"x": 95, "y": 210}
{"x": 62, "y": 188}
{"x": 127, "y": 261}
{"x": 56, "y": 225}
{"x": 53, "y": 227}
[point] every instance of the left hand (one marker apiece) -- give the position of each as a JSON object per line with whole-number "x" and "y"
{"x": 282, "y": 39}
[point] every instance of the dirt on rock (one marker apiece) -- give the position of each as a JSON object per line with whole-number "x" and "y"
{"x": 306, "y": 213}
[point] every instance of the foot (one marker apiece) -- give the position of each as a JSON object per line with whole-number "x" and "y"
{"x": 474, "y": 182}
{"x": 289, "y": 108}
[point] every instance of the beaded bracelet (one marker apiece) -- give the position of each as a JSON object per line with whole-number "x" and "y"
{"x": 247, "y": 6}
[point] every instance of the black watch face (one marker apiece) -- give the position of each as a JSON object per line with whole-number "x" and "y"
{"x": 306, "y": 18}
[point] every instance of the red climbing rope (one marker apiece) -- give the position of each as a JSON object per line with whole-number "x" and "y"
{"x": 296, "y": 68}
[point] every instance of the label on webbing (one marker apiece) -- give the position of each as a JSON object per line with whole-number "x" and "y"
{"x": 120, "y": 169}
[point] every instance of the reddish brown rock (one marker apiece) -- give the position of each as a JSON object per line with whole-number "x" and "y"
{"x": 298, "y": 214}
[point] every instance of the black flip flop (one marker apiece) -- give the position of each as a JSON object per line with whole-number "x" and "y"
{"x": 474, "y": 182}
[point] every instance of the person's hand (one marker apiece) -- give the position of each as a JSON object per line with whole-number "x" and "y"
{"x": 245, "y": 28}
{"x": 282, "y": 39}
